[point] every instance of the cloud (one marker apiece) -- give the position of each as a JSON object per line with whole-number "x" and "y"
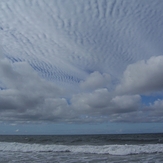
{"x": 143, "y": 77}
{"x": 24, "y": 99}
{"x": 87, "y": 61}
{"x": 151, "y": 114}
{"x": 126, "y": 103}
{"x": 95, "y": 80}
{"x": 63, "y": 41}
{"x": 22, "y": 78}
{"x": 25, "y": 93}
{"x": 156, "y": 111}
{"x": 91, "y": 102}
{"x": 101, "y": 102}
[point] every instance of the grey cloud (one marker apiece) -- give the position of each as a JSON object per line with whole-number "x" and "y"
{"x": 151, "y": 113}
{"x": 21, "y": 77}
{"x": 26, "y": 93}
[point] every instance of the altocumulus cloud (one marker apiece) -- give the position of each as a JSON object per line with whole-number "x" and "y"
{"x": 87, "y": 61}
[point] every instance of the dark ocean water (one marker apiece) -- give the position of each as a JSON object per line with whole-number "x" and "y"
{"x": 82, "y": 148}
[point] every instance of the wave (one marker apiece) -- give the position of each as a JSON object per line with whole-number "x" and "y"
{"x": 105, "y": 149}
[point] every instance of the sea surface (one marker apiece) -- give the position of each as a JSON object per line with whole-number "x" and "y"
{"x": 129, "y": 148}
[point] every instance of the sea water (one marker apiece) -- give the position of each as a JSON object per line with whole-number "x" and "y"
{"x": 142, "y": 148}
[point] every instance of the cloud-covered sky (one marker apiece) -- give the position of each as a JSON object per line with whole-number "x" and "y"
{"x": 70, "y": 61}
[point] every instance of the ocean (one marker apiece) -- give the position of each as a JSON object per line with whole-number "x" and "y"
{"x": 125, "y": 148}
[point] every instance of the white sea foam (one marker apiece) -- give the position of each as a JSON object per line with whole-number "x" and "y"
{"x": 106, "y": 149}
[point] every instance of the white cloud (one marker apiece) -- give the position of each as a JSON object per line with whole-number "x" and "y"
{"x": 156, "y": 109}
{"x": 143, "y": 77}
{"x": 95, "y": 80}
{"x": 50, "y": 48}
{"x": 101, "y": 102}
{"x": 63, "y": 41}
{"x": 91, "y": 102}
{"x": 38, "y": 100}
{"x": 126, "y": 103}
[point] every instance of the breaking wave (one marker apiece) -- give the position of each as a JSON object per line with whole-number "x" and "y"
{"x": 105, "y": 149}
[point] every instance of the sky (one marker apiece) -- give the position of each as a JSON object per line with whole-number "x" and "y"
{"x": 81, "y": 67}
